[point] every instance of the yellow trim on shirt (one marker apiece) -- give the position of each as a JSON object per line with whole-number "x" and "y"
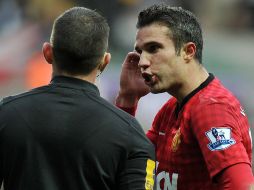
{"x": 150, "y": 167}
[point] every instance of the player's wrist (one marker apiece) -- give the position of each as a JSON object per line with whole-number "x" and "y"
{"x": 126, "y": 100}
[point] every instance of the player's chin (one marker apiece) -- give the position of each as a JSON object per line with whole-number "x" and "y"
{"x": 156, "y": 90}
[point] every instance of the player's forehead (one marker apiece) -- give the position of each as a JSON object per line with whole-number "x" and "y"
{"x": 153, "y": 33}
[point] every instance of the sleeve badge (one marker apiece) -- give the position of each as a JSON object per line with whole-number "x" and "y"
{"x": 220, "y": 138}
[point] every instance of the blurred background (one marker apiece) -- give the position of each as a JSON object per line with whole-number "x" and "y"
{"x": 228, "y": 27}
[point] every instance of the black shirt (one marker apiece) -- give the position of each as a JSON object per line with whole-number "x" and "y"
{"x": 65, "y": 136}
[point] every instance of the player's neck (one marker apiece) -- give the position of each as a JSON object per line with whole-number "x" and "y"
{"x": 191, "y": 83}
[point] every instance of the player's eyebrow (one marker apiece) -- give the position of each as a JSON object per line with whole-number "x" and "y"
{"x": 153, "y": 43}
{"x": 147, "y": 44}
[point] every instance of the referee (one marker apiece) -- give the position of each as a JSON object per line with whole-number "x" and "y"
{"x": 64, "y": 136}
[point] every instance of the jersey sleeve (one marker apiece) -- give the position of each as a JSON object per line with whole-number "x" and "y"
{"x": 223, "y": 135}
{"x": 153, "y": 132}
{"x": 139, "y": 168}
{"x": 236, "y": 177}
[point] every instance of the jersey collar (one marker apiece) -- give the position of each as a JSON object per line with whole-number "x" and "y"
{"x": 195, "y": 91}
{"x": 71, "y": 82}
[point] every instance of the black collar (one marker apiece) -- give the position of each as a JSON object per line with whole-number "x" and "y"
{"x": 74, "y": 83}
{"x": 190, "y": 95}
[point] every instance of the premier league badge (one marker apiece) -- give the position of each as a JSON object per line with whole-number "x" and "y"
{"x": 220, "y": 138}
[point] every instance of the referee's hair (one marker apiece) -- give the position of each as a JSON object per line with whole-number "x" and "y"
{"x": 79, "y": 38}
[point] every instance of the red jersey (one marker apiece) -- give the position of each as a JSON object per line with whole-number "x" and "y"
{"x": 196, "y": 140}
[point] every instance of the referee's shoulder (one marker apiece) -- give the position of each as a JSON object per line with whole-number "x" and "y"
{"x": 22, "y": 96}
{"x": 114, "y": 111}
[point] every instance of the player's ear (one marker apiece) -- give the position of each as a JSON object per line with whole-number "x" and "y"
{"x": 105, "y": 61}
{"x": 47, "y": 51}
{"x": 189, "y": 51}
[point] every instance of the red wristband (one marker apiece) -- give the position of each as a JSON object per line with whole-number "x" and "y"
{"x": 131, "y": 110}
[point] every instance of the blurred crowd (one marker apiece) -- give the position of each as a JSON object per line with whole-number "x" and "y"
{"x": 228, "y": 31}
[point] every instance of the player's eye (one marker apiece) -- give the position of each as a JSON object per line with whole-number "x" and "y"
{"x": 153, "y": 48}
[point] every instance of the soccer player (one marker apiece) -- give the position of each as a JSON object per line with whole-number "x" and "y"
{"x": 201, "y": 134}
{"x": 64, "y": 136}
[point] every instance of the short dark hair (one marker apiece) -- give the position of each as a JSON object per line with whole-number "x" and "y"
{"x": 79, "y": 39}
{"x": 183, "y": 24}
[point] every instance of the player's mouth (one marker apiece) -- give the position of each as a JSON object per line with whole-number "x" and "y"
{"x": 149, "y": 79}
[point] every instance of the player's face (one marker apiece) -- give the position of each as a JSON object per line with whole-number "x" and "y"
{"x": 160, "y": 65}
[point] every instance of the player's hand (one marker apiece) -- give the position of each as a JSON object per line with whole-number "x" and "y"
{"x": 132, "y": 85}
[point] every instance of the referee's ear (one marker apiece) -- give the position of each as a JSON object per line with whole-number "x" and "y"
{"x": 47, "y": 52}
{"x": 105, "y": 61}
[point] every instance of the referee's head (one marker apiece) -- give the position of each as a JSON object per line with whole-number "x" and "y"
{"x": 78, "y": 43}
